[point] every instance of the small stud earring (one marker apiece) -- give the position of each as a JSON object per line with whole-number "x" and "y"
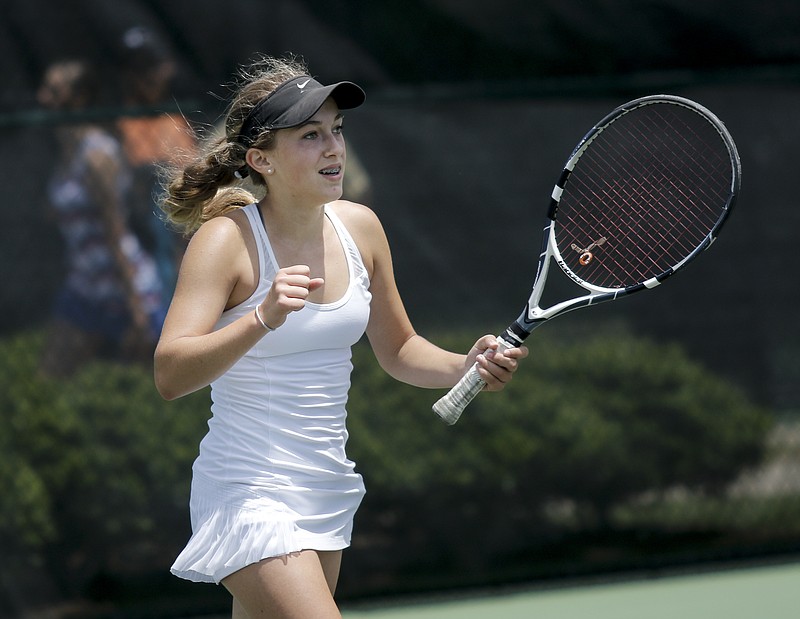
{"x": 270, "y": 170}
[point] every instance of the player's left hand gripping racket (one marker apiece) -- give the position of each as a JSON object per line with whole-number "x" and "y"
{"x": 642, "y": 195}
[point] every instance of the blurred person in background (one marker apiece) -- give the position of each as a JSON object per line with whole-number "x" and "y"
{"x": 151, "y": 139}
{"x": 110, "y": 302}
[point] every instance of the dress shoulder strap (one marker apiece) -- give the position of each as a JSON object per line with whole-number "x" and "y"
{"x": 266, "y": 265}
{"x": 353, "y": 254}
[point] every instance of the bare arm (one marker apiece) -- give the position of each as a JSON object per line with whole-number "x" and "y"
{"x": 103, "y": 174}
{"x": 217, "y": 273}
{"x": 401, "y": 352}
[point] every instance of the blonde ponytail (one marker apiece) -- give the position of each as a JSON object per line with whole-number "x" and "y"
{"x": 208, "y": 186}
{"x": 205, "y": 188}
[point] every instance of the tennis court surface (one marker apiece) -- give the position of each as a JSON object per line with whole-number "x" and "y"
{"x": 767, "y": 592}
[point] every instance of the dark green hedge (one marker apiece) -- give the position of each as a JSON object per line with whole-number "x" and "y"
{"x": 95, "y": 470}
{"x": 584, "y": 427}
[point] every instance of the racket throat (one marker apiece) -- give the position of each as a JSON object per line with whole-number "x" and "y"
{"x": 515, "y": 334}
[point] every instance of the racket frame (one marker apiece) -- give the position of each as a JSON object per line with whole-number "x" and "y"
{"x": 450, "y": 406}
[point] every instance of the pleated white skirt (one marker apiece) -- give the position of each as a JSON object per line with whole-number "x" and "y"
{"x": 236, "y": 525}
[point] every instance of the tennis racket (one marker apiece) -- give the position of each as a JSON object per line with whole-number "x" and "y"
{"x": 645, "y": 192}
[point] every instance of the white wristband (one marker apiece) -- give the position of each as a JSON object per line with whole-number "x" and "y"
{"x": 261, "y": 320}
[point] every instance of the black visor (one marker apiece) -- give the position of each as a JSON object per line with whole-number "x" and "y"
{"x": 294, "y": 102}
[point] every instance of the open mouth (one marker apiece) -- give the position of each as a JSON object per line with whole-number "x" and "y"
{"x": 334, "y": 171}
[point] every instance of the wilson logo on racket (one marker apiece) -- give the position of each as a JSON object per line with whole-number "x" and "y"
{"x": 586, "y": 253}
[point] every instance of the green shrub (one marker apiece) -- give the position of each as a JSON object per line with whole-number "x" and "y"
{"x": 96, "y": 469}
{"x": 99, "y": 465}
{"x": 26, "y": 416}
{"x": 590, "y": 424}
{"x": 595, "y": 421}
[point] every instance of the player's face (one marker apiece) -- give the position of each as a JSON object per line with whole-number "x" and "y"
{"x": 308, "y": 161}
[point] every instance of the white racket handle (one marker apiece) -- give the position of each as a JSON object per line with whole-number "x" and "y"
{"x": 453, "y": 403}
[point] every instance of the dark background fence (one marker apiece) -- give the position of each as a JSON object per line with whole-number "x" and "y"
{"x": 662, "y": 430}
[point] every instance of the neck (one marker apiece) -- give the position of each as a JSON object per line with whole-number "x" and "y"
{"x": 291, "y": 221}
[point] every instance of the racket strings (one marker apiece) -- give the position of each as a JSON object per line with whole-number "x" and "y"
{"x": 646, "y": 193}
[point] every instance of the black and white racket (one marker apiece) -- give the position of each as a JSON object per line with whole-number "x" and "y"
{"x": 642, "y": 195}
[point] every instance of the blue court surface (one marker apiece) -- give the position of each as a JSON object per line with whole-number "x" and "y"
{"x": 766, "y": 592}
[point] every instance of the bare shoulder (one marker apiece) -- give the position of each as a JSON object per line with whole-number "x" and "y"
{"x": 366, "y": 230}
{"x": 224, "y": 233}
{"x": 362, "y": 223}
{"x": 223, "y": 246}
{"x": 356, "y": 217}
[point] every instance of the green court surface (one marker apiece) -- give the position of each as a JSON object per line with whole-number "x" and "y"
{"x": 771, "y": 592}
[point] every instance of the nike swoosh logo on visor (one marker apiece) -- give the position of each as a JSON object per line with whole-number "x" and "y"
{"x": 303, "y": 85}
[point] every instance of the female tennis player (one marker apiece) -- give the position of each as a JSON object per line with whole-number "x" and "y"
{"x": 270, "y": 298}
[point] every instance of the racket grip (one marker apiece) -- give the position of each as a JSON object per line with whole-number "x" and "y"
{"x": 453, "y": 403}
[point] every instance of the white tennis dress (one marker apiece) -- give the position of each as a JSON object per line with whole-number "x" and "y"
{"x": 272, "y": 476}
